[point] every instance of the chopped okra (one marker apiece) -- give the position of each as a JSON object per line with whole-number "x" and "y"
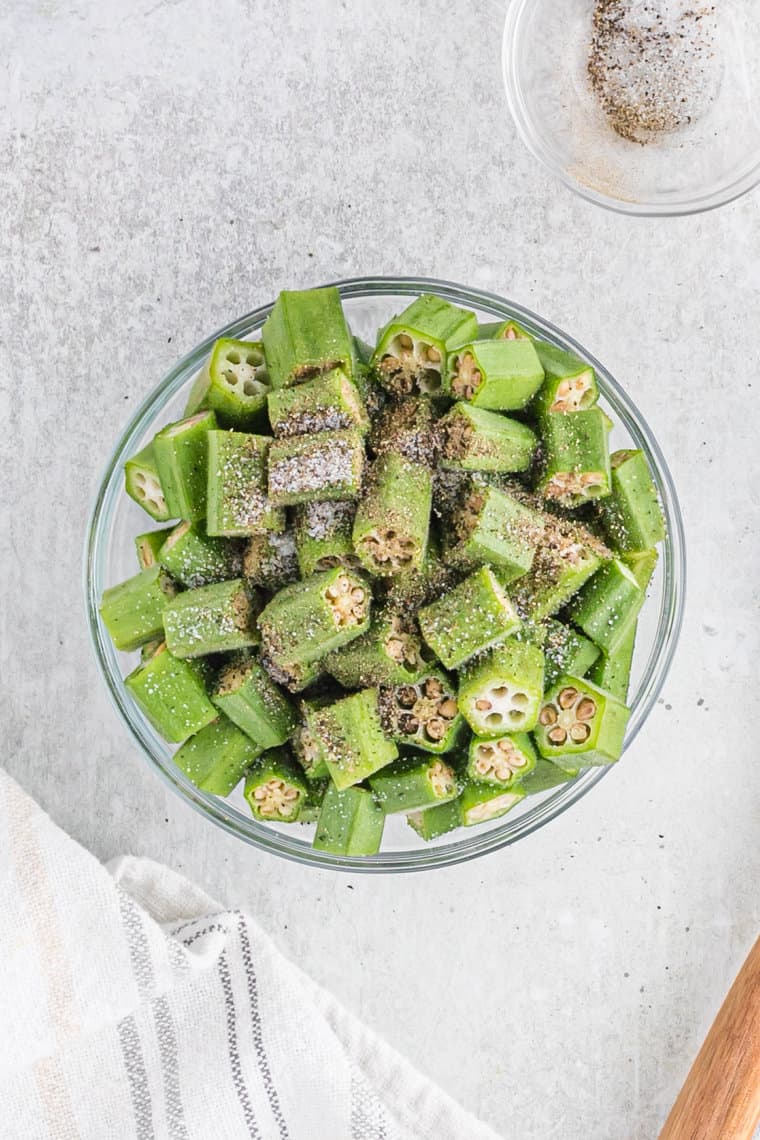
{"x": 305, "y": 335}
{"x": 389, "y": 653}
{"x": 181, "y": 454}
{"x": 473, "y": 439}
{"x": 329, "y": 402}
{"x": 306, "y": 742}
{"x": 349, "y": 823}
{"x": 414, "y": 783}
{"x": 480, "y": 803}
{"x": 490, "y": 526}
{"x": 245, "y": 692}
{"x": 423, "y": 714}
{"x": 313, "y": 468}
{"x": 132, "y": 612}
{"x": 410, "y": 357}
{"x": 546, "y": 776}
{"x": 471, "y": 617}
{"x": 432, "y": 822}
{"x": 631, "y": 514}
{"x": 503, "y": 761}
{"x": 306, "y": 620}
{"x": 567, "y": 651}
{"x": 612, "y": 671}
{"x": 502, "y": 373}
{"x": 393, "y": 516}
{"x": 238, "y": 502}
{"x": 352, "y": 738}
{"x": 501, "y": 691}
{"x": 323, "y": 536}
{"x": 503, "y": 330}
{"x": 212, "y": 619}
{"x": 275, "y": 787}
{"x": 143, "y": 484}
{"x": 148, "y": 545}
{"x": 575, "y": 460}
{"x": 566, "y": 556}
{"x": 217, "y": 757}
{"x": 194, "y": 558}
{"x": 608, "y": 605}
{"x": 172, "y": 695}
{"x": 234, "y": 384}
{"x": 271, "y": 560}
{"x": 570, "y": 384}
{"x": 580, "y": 724}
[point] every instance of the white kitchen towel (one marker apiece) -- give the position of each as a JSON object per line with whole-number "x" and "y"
{"x": 134, "y": 1006}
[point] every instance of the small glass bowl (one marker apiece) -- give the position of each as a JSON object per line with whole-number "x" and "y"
{"x": 707, "y": 164}
{"x": 110, "y": 557}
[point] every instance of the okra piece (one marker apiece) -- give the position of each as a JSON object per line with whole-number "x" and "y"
{"x": 271, "y": 560}
{"x": 132, "y": 611}
{"x": 143, "y": 484}
{"x": 295, "y": 676}
{"x": 570, "y": 384}
{"x": 150, "y": 649}
{"x": 350, "y": 822}
{"x": 474, "y": 439}
{"x": 372, "y": 394}
{"x": 148, "y": 545}
{"x": 567, "y": 651}
{"x": 212, "y": 619}
{"x": 503, "y": 330}
{"x": 575, "y": 460}
{"x": 631, "y": 514}
{"x": 501, "y": 692}
{"x": 311, "y": 806}
{"x": 181, "y": 452}
{"x": 612, "y": 671}
{"x": 306, "y": 334}
{"x": 480, "y": 802}
{"x": 545, "y": 776}
{"x": 307, "y": 744}
{"x": 436, "y": 821}
{"x": 566, "y": 557}
{"x": 393, "y": 517}
{"x": 275, "y": 788}
{"x": 234, "y": 384}
{"x": 193, "y": 558}
{"x": 608, "y": 605}
{"x": 408, "y": 428}
{"x": 642, "y": 565}
{"x": 308, "y": 619}
{"x": 329, "y": 402}
{"x": 410, "y": 589}
{"x": 245, "y": 693}
{"x": 216, "y": 758}
{"x": 501, "y": 374}
{"x": 389, "y": 653}
{"x": 580, "y": 724}
{"x": 504, "y": 761}
{"x": 414, "y": 783}
{"x": 422, "y": 714}
{"x": 492, "y": 527}
{"x": 352, "y": 738}
{"x": 238, "y": 500}
{"x": 323, "y": 536}
{"x": 471, "y": 617}
{"x": 311, "y": 468}
{"x": 411, "y": 352}
{"x": 172, "y": 695}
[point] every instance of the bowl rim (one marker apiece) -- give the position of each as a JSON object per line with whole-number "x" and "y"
{"x": 467, "y": 846}
{"x": 518, "y": 108}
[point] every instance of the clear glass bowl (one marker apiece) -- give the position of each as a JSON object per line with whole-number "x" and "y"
{"x": 110, "y": 557}
{"x": 707, "y": 164}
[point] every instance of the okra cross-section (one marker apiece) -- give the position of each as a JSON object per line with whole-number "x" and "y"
{"x": 306, "y": 334}
{"x": 570, "y": 384}
{"x": 580, "y": 724}
{"x": 471, "y": 617}
{"x": 143, "y": 484}
{"x": 306, "y": 742}
{"x": 193, "y": 558}
{"x": 632, "y": 515}
{"x": 308, "y": 468}
{"x": 389, "y": 653}
{"x": 234, "y": 384}
{"x": 393, "y": 517}
{"x": 473, "y": 439}
{"x": 423, "y": 714}
{"x": 212, "y": 619}
{"x": 411, "y": 352}
{"x": 329, "y": 402}
{"x": 608, "y": 605}
{"x": 492, "y": 527}
{"x": 352, "y": 738}
{"x": 503, "y": 374}
{"x": 238, "y": 501}
{"x": 413, "y": 783}
{"x": 308, "y": 619}
{"x": 271, "y": 559}
{"x": 501, "y": 692}
{"x": 503, "y": 761}
{"x": 323, "y": 536}
{"x": 575, "y": 462}
{"x": 350, "y": 822}
{"x": 172, "y": 695}
{"x": 275, "y": 788}
{"x": 148, "y": 545}
{"x": 216, "y": 758}
{"x": 132, "y": 612}
{"x": 565, "y": 557}
{"x": 480, "y": 803}
{"x": 246, "y": 694}
{"x": 181, "y": 453}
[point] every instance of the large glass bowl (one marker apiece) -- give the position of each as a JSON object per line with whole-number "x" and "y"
{"x": 110, "y": 557}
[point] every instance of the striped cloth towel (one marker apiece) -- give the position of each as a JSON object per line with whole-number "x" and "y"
{"x": 134, "y": 1006}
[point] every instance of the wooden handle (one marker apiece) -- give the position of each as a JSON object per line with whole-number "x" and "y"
{"x": 721, "y": 1097}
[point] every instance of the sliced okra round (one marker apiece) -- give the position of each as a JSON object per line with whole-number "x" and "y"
{"x": 143, "y": 484}
{"x": 575, "y": 459}
{"x": 480, "y": 803}
{"x": 414, "y": 783}
{"x": 469, "y": 618}
{"x": 546, "y": 776}
{"x": 234, "y": 384}
{"x": 423, "y": 714}
{"x": 502, "y": 374}
{"x": 275, "y": 788}
{"x": 504, "y": 760}
{"x": 567, "y": 651}
{"x": 612, "y": 671}
{"x": 501, "y": 691}
{"x": 580, "y": 723}
{"x": 212, "y": 619}
{"x": 132, "y": 612}
{"x": 323, "y": 536}
{"x": 411, "y": 352}
{"x": 503, "y": 330}
{"x": 570, "y": 385}
{"x": 306, "y": 620}
{"x": 392, "y": 522}
{"x": 181, "y": 454}
{"x": 408, "y": 428}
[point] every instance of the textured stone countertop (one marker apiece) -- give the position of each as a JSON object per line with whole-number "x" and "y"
{"x": 168, "y": 165}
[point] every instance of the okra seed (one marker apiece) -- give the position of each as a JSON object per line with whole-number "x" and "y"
{"x": 580, "y": 733}
{"x": 407, "y": 697}
{"x": 557, "y": 735}
{"x": 249, "y": 388}
{"x": 567, "y": 698}
{"x": 493, "y": 720}
{"x": 408, "y": 724}
{"x": 448, "y": 709}
{"x": 405, "y": 341}
{"x": 433, "y": 354}
{"x": 520, "y": 700}
{"x": 435, "y": 729}
{"x": 500, "y": 692}
{"x": 233, "y": 357}
{"x": 548, "y": 715}
{"x": 433, "y": 688}
{"x": 586, "y": 709}
{"x": 482, "y": 705}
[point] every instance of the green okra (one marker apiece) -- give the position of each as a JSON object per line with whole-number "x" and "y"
{"x": 329, "y": 402}
{"x": 422, "y": 714}
{"x": 414, "y": 783}
{"x": 234, "y": 384}
{"x": 323, "y": 536}
{"x": 469, "y": 618}
{"x": 642, "y": 564}
{"x": 393, "y": 516}
{"x": 150, "y": 648}
{"x": 193, "y": 558}
{"x": 575, "y": 459}
{"x": 503, "y": 761}
{"x": 567, "y": 651}
{"x": 435, "y": 821}
{"x": 275, "y": 788}
{"x": 474, "y": 439}
{"x": 306, "y": 742}
{"x": 503, "y": 330}
{"x": 480, "y": 803}
{"x": 271, "y": 560}
{"x": 172, "y": 695}
{"x": 501, "y": 691}
{"x": 305, "y": 335}
{"x": 245, "y": 693}
{"x": 612, "y": 671}
{"x": 148, "y": 545}
{"x": 408, "y": 428}
{"x": 217, "y": 757}
{"x": 143, "y": 484}
{"x": 546, "y": 776}
{"x": 311, "y": 468}
{"x": 350, "y": 822}
{"x": 608, "y": 605}
{"x": 631, "y": 514}
{"x": 238, "y": 502}
{"x": 373, "y": 395}
{"x": 295, "y": 676}
{"x": 212, "y": 619}
{"x": 352, "y": 738}
{"x": 311, "y": 805}
{"x": 580, "y": 724}
{"x": 181, "y": 452}
{"x": 570, "y": 384}
{"x": 308, "y": 619}
{"x": 389, "y": 653}
{"x": 409, "y": 589}
{"x": 501, "y": 374}
{"x": 132, "y": 611}
{"x": 411, "y": 351}
{"x": 565, "y": 558}
{"x": 492, "y": 527}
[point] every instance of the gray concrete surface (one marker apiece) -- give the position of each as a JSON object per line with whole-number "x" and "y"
{"x": 166, "y": 165}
